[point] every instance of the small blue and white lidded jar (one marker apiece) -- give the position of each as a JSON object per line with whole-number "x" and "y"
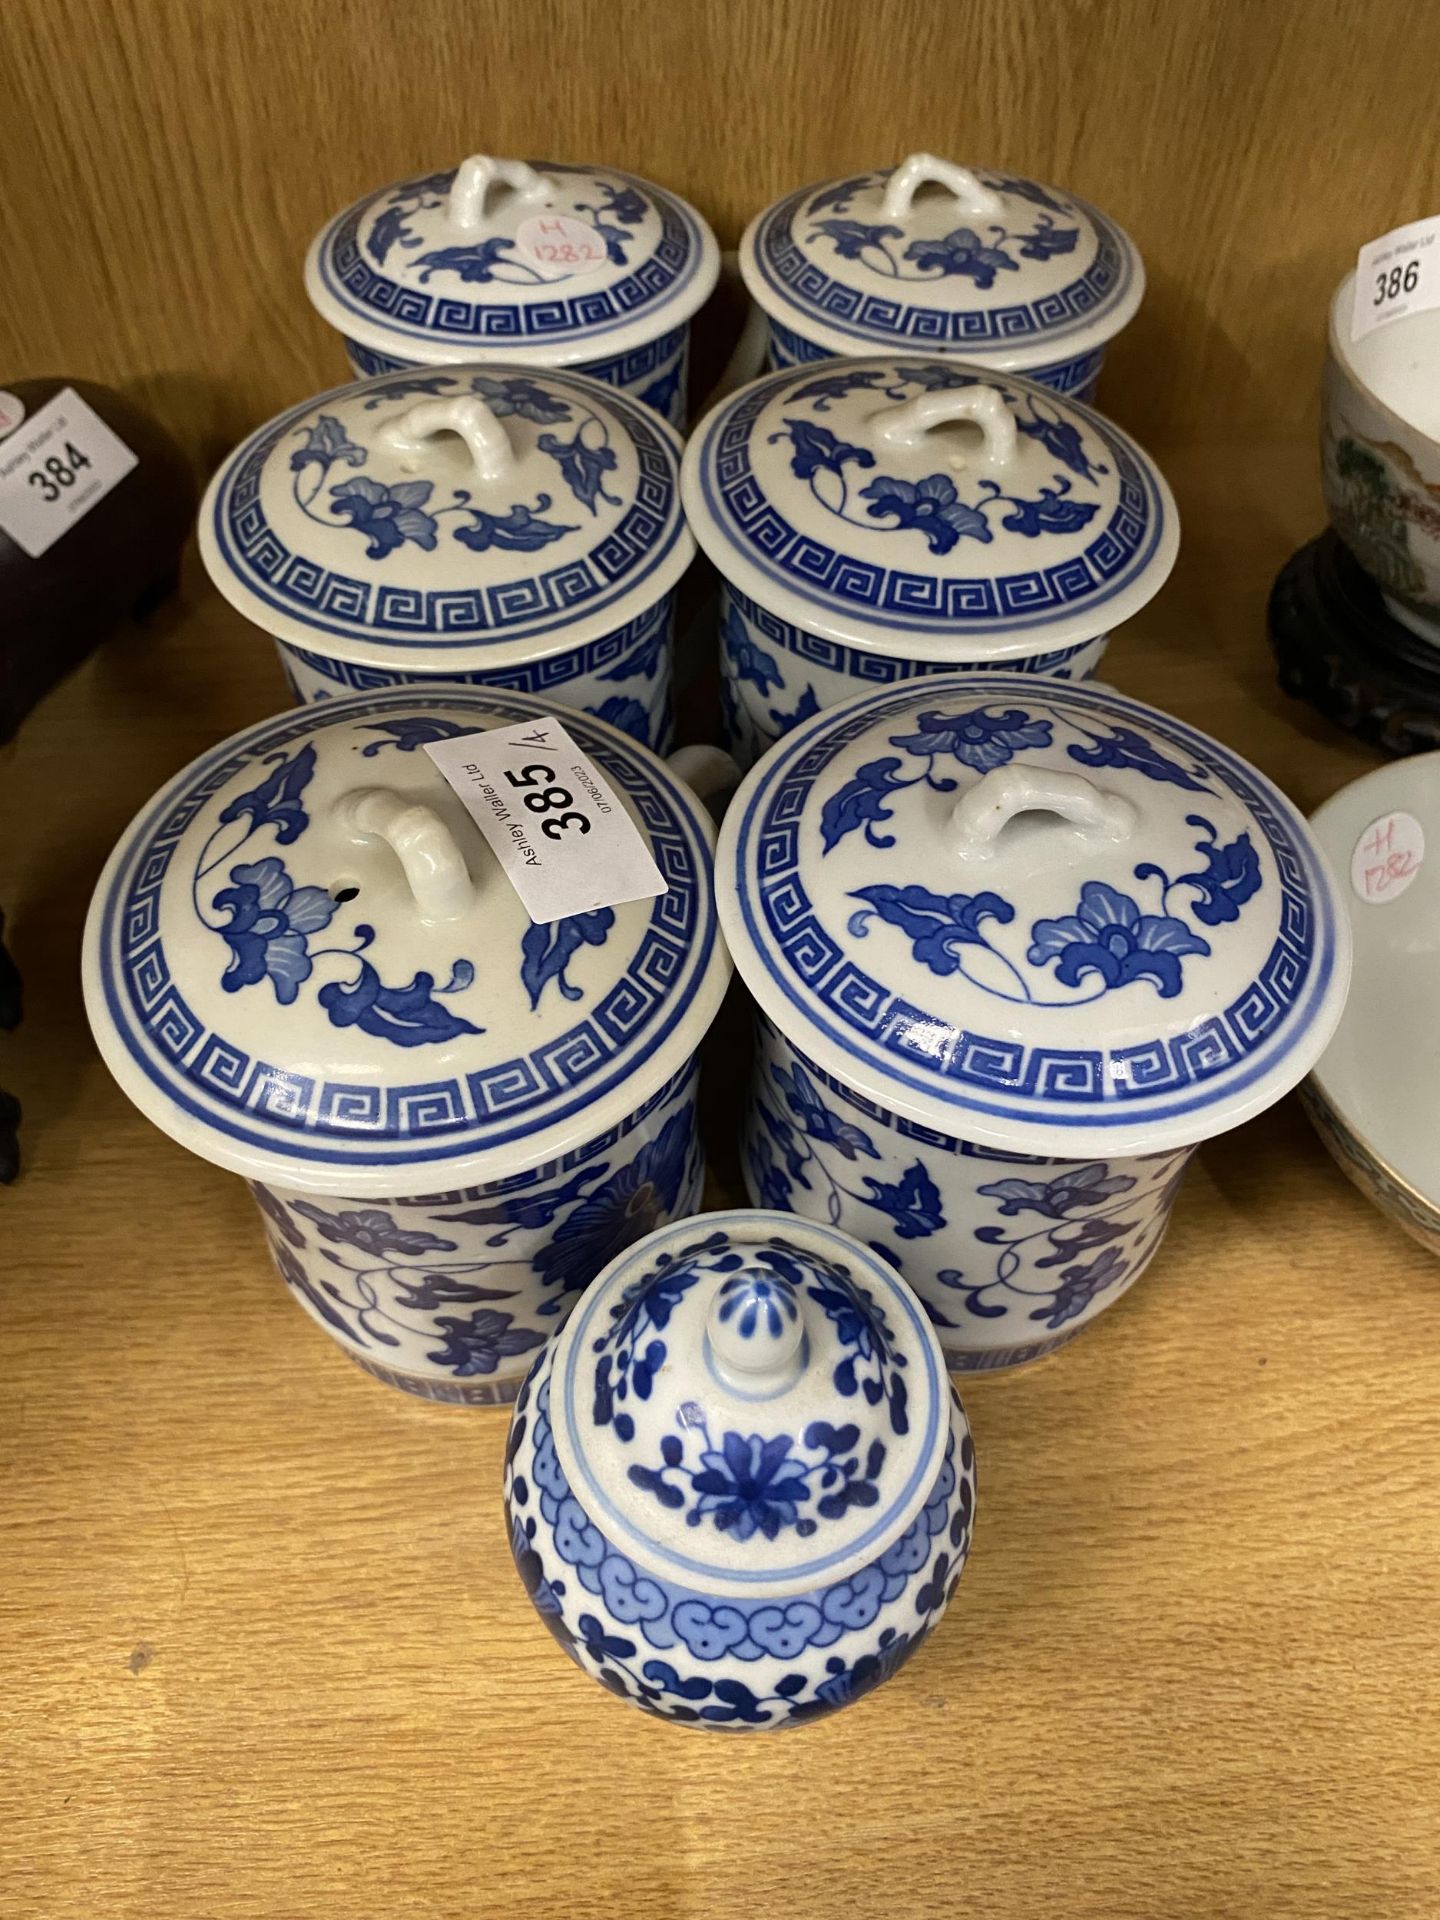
{"x": 880, "y": 519}
{"x": 1018, "y": 947}
{"x": 739, "y": 1487}
{"x": 530, "y": 266}
{"x": 937, "y": 258}
{"x": 477, "y": 527}
{"x": 305, "y": 963}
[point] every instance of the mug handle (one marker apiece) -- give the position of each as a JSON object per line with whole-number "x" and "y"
{"x": 706, "y": 771}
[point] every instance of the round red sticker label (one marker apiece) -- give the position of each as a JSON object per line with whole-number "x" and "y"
{"x": 1387, "y": 857}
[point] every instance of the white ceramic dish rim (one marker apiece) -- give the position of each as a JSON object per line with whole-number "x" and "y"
{"x": 1388, "y": 784}
{"x": 1048, "y": 350}
{"x": 947, "y": 647}
{"x": 757, "y": 1225}
{"x": 575, "y": 352}
{"x": 482, "y": 1168}
{"x": 1123, "y": 1135}
{"x": 484, "y": 656}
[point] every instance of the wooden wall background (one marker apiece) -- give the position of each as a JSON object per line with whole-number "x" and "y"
{"x": 168, "y": 160}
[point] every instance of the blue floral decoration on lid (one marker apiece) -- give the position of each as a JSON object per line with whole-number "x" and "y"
{"x": 312, "y": 532}
{"x": 765, "y": 1389}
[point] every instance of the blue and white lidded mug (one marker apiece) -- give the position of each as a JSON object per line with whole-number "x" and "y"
{"x": 930, "y": 257}
{"x": 305, "y": 963}
{"x": 878, "y": 519}
{"x": 1018, "y": 945}
{"x": 472, "y": 525}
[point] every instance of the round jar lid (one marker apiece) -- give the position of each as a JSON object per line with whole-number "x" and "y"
{"x": 919, "y": 507}
{"x": 304, "y": 961}
{"x": 1034, "y": 915}
{"x": 472, "y": 518}
{"x": 750, "y": 1404}
{"x": 541, "y": 264}
{"x": 944, "y": 258}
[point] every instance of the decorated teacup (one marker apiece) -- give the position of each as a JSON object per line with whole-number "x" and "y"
{"x": 1380, "y": 447}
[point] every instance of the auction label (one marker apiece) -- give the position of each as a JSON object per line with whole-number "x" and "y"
{"x": 1397, "y": 275}
{"x": 1387, "y": 857}
{"x": 55, "y": 469}
{"x": 556, "y": 824}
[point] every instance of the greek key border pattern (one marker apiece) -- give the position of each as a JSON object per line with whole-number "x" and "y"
{"x": 883, "y": 669}
{"x": 531, "y": 676}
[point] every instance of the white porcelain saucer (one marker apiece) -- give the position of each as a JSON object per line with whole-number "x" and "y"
{"x": 1375, "y": 1094}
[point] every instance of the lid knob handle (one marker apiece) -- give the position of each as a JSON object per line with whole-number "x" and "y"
{"x": 908, "y": 424}
{"x": 408, "y": 434}
{"x": 470, "y": 189}
{"x": 924, "y": 169}
{"x": 423, "y": 844}
{"x": 756, "y": 1329}
{"x": 996, "y": 798}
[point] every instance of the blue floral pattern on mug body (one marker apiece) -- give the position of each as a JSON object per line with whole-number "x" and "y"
{"x": 449, "y": 1296}
{"x": 624, "y": 677}
{"x": 733, "y": 1664}
{"x": 1011, "y": 1255}
{"x": 655, "y": 373}
{"x": 774, "y": 674}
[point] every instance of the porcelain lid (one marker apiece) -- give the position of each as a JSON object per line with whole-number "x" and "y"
{"x": 471, "y": 518}
{"x": 946, "y": 258}
{"x": 750, "y": 1404}
{"x": 305, "y": 979}
{"x": 540, "y": 264}
{"x": 918, "y": 507}
{"x": 1034, "y": 915}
